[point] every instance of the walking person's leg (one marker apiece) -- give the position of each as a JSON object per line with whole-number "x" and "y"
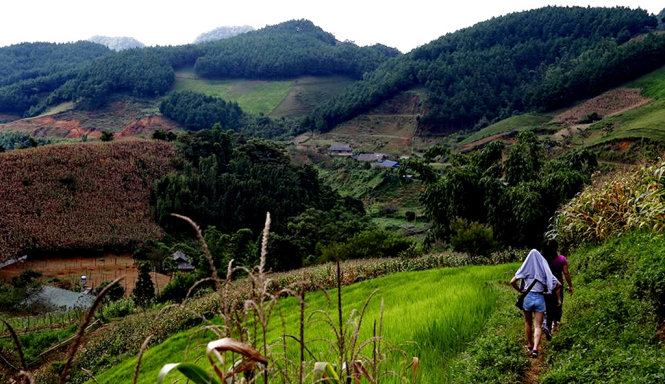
{"x": 528, "y": 329}
{"x": 538, "y": 321}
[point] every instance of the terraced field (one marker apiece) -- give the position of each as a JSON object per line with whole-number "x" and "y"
{"x": 430, "y": 314}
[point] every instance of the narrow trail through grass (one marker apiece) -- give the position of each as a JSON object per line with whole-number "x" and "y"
{"x": 430, "y": 314}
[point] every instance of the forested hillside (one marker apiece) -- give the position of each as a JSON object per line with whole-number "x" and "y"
{"x": 524, "y": 61}
{"x": 29, "y": 69}
{"x": 36, "y": 76}
{"x": 293, "y": 48}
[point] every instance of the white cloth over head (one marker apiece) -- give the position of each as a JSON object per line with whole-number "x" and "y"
{"x": 535, "y": 267}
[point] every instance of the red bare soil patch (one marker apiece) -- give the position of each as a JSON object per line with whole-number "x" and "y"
{"x": 85, "y": 195}
{"x": 125, "y": 118}
{"x": 96, "y": 270}
{"x": 145, "y": 126}
{"x": 610, "y": 102}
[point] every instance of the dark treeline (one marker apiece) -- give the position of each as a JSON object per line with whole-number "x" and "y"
{"x": 286, "y": 50}
{"x": 227, "y": 184}
{"x": 511, "y": 197}
{"x": 197, "y": 111}
{"x": 494, "y": 69}
{"x": 32, "y": 60}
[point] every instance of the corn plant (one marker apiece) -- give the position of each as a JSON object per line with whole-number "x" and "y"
{"x": 625, "y": 201}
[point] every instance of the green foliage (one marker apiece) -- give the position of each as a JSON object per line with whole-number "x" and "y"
{"x": 30, "y": 70}
{"x": 197, "y": 111}
{"x": 517, "y": 208}
{"x": 519, "y": 62}
{"x": 17, "y": 140}
{"x": 367, "y": 244}
{"x": 144, "y": 291}
{"x": 141, "y": 72}
{"x": 232, "y": 184}
{"x": 115, "y": 293}
{"x": 627, "y": 201}
{"x": 290, "y": 49}
{"x": 473, "y": 238}
{"x": 22, "y": 288}
{"x": 610, "y": 332}
{"x": 176, "y": 290}
{"x": 106, "y": 136}
{"x": 517, "y": 123}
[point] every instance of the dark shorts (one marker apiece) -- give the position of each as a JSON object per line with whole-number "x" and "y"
{"x": 553, "y": 310}
{"x": 534, "y": 302}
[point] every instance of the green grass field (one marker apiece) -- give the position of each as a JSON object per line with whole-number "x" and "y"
{"x": 431, "y": 314}
{"x": 647, "y": 122}
{"x": 253, "y": 96}
{"x": 514, "y": 123}
{"x": 652, "y": 84}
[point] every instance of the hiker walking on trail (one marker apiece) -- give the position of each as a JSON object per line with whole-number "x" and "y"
{"x": 559, "y": 267}
{"x": 537, "y": 280}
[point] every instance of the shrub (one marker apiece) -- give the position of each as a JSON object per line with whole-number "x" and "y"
{"x": 366, "y": 244}
{"x": 473, "y": 238}
{"x": 177, "y": 288}
{"x": 115, "y": 293}
{"x": 106, "y": 136}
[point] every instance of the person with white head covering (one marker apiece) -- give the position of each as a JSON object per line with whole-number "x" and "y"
{"x": 535, "y": 273}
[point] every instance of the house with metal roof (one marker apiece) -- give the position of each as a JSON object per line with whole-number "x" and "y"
{"x": 182, "y": 262}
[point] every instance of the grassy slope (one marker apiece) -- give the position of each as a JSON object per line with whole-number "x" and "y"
{"x": 609, "y": 332}
{"x": 253, "y": 96}
{"x": 643, "y": 122}
{"x": 289, "y": 98}
{"x": 514, "y": 123}
{"x": 439, "y": 311}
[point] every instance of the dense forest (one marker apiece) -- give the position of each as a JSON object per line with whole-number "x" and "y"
{"x": 29, "y": 70}
{"x": 494, "y": 69}
{"x": 486, "y": 195}
{"x": 290, "y": 49}
{"x": 197, "y": 111}
{"x": 227, "y": 184}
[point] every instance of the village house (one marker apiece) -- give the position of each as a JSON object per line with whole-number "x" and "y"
{"x": 371, "y": 157}
{"x": 182, "y": 262}
{"x": 340, "y": 150}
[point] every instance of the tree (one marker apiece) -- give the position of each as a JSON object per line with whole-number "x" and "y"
{"x": 115, "y": 293}
{"x": 106, "y": 136}
{"x": 144, "y": 291}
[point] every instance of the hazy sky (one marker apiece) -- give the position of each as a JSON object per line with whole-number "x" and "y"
{"x": 403, "y": 24}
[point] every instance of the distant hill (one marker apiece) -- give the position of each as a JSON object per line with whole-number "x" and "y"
{"x": 287, "y": 50}
{"x": 527, "y": 61}
{"x": 222, "y": 33}
{"x": 117, "y": 43}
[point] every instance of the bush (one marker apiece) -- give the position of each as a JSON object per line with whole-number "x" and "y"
{"x": 177, "y": 288}
{"x": 649, "y": 280}
{"x": 473, "y": 238}
{"x": 371, "y": 243}
{"x": 115, "y": 293}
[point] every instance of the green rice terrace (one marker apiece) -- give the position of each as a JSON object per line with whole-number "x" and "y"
{"x": 430, "y": 314}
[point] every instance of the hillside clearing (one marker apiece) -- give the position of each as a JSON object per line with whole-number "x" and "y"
{"x": 514, "y": 123}
{"x": 606, "y": 104}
